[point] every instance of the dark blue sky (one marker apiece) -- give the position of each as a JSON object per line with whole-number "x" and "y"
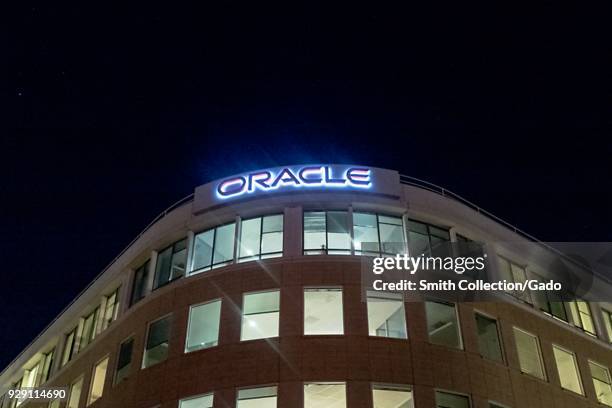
{"x": 111, "y": 117}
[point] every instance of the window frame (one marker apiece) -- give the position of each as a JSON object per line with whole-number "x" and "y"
{"x": 146, "y": 270}
{"x": 607, "y": 370}
{"x": 146, "y": 340}
{"x": 191, "y": 307}
{"x": 172, "y": 254}
{"x": 539, "y": 350}
{"x": 116, "y": 381}
{"x": 255, "y": 388}
{"x": 499, "y": 336}
{"x": 73, "y": 345}
{"x": 260, "y": 255}
{"x": 317, "y": 288}
{"x": 242, "y": 315}
{"x": 93, "y": 377}
{"x": 213, "y": 264}
{"x": 445, "y": 391}
{"x": 326, "y": 251}
{"x": 576, "y": 367}
{"x": 389, "y": 296}
{"x": 455, "y": 305}
{"x": 428, "y": 226}
{"x": 380, "y": 251}
{"x": 192, "y": 397}
{"x": 344, "y": 383}
{"x": 391, "y": 387}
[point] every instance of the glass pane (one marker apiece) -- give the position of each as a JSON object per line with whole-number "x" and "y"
{"x": 418, "y": 244}
{"x": 323, "y": 311}
{"x": 157, "y": 342}
{"x": 386, "y": 317}
{"x": 203, "y": 331}
{"x": 179, "y": 259}
{"x": 75, "y": 394}
{"x": 392, "y": 398}
{"x": 260, "y": 315}
{"x": 418, "y": 227}
{"x": 325, "y": 395}
{"x": 488, "y": 338}
{"x": 447, "y": 400}
{"x": 124, "y": 360}
{"x": 140, "y": 280}
{"x": 204, "y": 401}
{"x": 272, "y": 238}
{"x": 442, "y": 324}
{"x": 366, "y": 233}
{"x": 338, "y": 236}
{"x": 250, "y": 235}
{"x": 519, "y": 275}
{"x": 314, "y": 230}
{"x": 162, "y": 268}
{"x": 392, "y": 239}
{"x": 273, "y": 223}
{"x": 585, "y": 316}
{"x": 602, "y": 383}
{"x": 568, "y": 371}
{"x": 224, "y": 244}
{"x": 264, "y": 397}
{"x": 528, "y": 351}
{"x": 97, "y": 383}
{"x": 202, "y": 249}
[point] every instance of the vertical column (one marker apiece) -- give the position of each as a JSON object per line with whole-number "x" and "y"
{"x": 189, "y": 260}
{"x": 237, "y": 237}
{"x": 292, "y": 234}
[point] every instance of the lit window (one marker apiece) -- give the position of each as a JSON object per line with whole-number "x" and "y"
{"x": 607, "y": 318}
{"x": 170, "y": 263}
{"x": 97, "y": 381}
{"x": 378, "y": 234}
{"x": 391, "y": 396}
{"x": 568, "y": 370}
{"x": 323, "y": 311}
{"x": 69, "y": 347}
{"x": 581, "y": 315}
{"x": 90, "y": 325}
{"x": 75, "y": 394}
{"x": 260, "y": 315}
{"x": 139, "y": 287}
{"x": 602, "y": 383}
{"x": 530, "y": 356}
{"x": 201, "y": 401}
{"x": 213, "y": 248}
{"x": 156, "y": 347}
{"x": 17, "y": 401}
{"x": 448, "y": 400}
{"x": 124, "y": 360}
{"x": 511, "y": 272}
{"x": 203, "y": 326}
{"x": 386, "y": 317}
{"x": 261, "y": 238}
{"x": 111, "y": 309}
{"x": 264, "y": 397}
{"x": 325, "y": 395}
{"x": 30, "y": 377}
{"x": 427, "y": 239}
{"x": 47, "y": 365}
{"x": 489, "y": 343}
{"x": 443, "y": 324}
{"x": 326, "y": 232}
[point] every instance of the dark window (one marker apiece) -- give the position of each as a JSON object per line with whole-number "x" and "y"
{"x": 427, "y": 239}
{"x": 69, "y": 347}
{"x": 124, "y": 360}
{"x": 156, "y": 349}
{"x": 489, "y": 343}
{"x": 214, "y": 248}
{"x": 170, "y": 263}
{"x": 140, "y": 283}
{"x": 47, "y": 365}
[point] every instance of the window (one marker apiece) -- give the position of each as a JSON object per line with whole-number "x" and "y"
{"x": 201, "y": 401}
{"x": 97, "y": 381}
{"x": 427, "y": 239}
{"x": 489, "y": 342}
{"x": 550, "y": 302}
{"x": 90, "y": 325}
{"x": 170, "y": 263}
{"x": 141, "y": 276}
{"x": 389, "y": 396}
{"x": 156, "y": 347}
{"x": 260, "y": 315}
{"x": 607, "y": 318}
{"x": 512, "y": 272}
{"x": 386, "y": 317}
{"x": 17, "y": 401}
{"x": 203, "y": 326}
{"x": 30, "y": 377}
{"x": 581, "y": 315}
{"x": 54, "y": 403}
{"x": 529, "y": 354}
{"x": 47, "y": 365}
{"x": 261, "y": 238}
{"x": 111, "y": 309}
{"x": 75, "y": 394}
{"x": 264, "y": 397}
{"x": 213, "y": 248}
{"x": 601, "y": 382}
{"x": 448, "y": 400}
{"x": 325, "y": 395}
{"x": 326, "y": 232}
{"x": 568, "y": 370}
{"x": 69, "y": 349}
{"x": 378, "y": 234}
{"x": 323, "y": 313}
{"x": 443, "y": 324}
{"x": 124, "y": 360}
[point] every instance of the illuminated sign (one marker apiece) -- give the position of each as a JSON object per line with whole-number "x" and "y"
{"x": 324, "y": 176}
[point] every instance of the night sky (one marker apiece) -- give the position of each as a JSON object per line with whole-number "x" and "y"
{"x": 112, "y": 115}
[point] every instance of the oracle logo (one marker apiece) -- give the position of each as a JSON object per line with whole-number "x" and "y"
{"x": 286, "y": 178}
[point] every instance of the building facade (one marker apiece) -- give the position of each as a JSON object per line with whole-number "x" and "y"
{"x": 248, "y": 294}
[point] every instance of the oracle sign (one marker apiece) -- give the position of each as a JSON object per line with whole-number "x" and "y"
{"x": 290, "y": 178}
